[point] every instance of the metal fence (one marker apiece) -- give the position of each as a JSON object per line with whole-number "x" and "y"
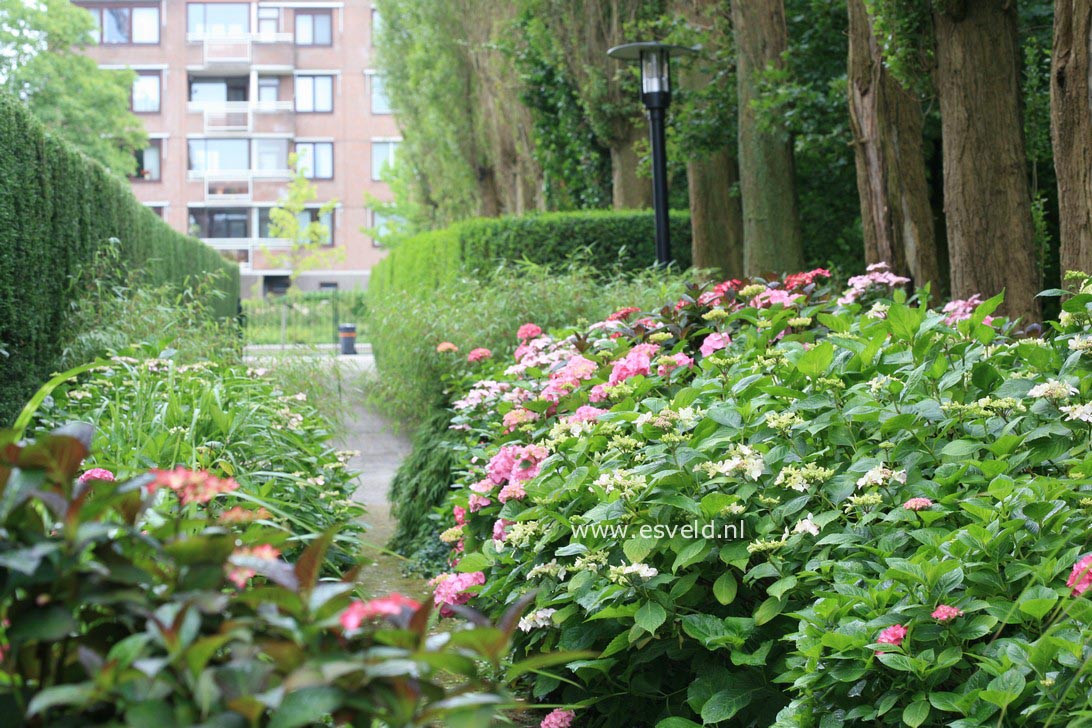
{"x": 301, "y": 318}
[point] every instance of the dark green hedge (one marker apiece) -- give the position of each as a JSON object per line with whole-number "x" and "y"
{"x": 606, "y": 239}
{"x": 57, "y": 207}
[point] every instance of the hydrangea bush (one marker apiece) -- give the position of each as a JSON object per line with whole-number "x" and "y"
{"x": 775, "y": 503}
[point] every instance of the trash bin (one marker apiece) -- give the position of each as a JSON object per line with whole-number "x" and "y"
{"x": 346, "y": 333}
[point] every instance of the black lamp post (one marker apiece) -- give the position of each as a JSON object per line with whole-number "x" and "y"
{"x": 656, "y": 95}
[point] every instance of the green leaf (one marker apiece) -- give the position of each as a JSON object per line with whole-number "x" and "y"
{"x": 676, "y": 722}
{"x": 916, "y": 713}
{"x": 725, "y": 588}
{"x": 75, "y": 694}
{"x": 306, "y": 707}
{"x": 650, "y": 616}
{"x": 1037, "y": 601}
{"x": 1004, "y": 689}
{"x": 310, "y": 562}
{"x": 768, "y": 610}
{"x": 474, "y": 561}
{"x": 779, "y": 587}
{"x": 48, "y": 624}
{"x": 815, "y": 362}
{"x": 638, "y": 547}
{"x": 726, "y": 703}
{"x": 693, "y": 552}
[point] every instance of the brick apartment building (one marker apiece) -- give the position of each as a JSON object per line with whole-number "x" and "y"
{"x": 227, "y": 90}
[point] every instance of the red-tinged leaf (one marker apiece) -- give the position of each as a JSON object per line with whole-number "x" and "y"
{"x": 310, "y": 562}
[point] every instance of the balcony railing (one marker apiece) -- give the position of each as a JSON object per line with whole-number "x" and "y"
{"x": 235, "y": 116}
{"x": 234, "y": 49}
{"x": 235, "y": 185}
{"x": 244, "y": 250}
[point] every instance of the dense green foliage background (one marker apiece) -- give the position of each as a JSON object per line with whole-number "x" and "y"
{"x": 57, "y": 210}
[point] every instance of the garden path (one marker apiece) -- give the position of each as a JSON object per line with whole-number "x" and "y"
{"x": 381, "y": 451}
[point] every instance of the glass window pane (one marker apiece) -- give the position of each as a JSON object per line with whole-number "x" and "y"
{"x": 146, "y": 94}
{"x": 380, "y": 103}
{"x": 305, "y": 29}
{"x": 324, "y": 161}
{"x": 228, "y": 154}
{"x": 323, "y": 32}
{"x": 324, "y": 93}
{"x": 195, "y": 18}
{"x": 305, "y": 154}
{"x": 210, "y": 90}
{"x": 272, "y": 154}
{"x": 263, "y": 222}
{"x": 149, "y": 163}
{"x": 96, "y": 18}
{"x": 305, "y": 93}
{"x": 145, "y": 25}
{"x": 268, "y": 90}
{"x": 116, "y": 28}
{"x": 218, "y": 19}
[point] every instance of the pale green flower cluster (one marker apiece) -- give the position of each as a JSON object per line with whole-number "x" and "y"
{"x": 759, "y": 546}
{"x": 865, "y": 500}
{"x": 783, "y": 421}
{"x": 985, "y": 407}
{"x": 625, "y": 482}
{"x": 881, "y": 475}
{"x": 799, "y": 477}
{"x": 742, "y": 460}
{"x": 591, "y": 561}
{"x": 452, "y": 534}
{"x": 550, "y": 568}
{"x": 521, "y": 534}
{"x": 717, "y": 314}
{"x": 621, "y": 574}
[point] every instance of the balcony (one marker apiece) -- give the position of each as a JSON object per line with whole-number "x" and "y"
{"x": 244, "y": 117}
{"x": 240, "y": 185}
{"x": 241, "y": 51}
{"x": 248, "y": 251}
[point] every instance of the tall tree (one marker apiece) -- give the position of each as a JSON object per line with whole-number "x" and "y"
{"x": 1071, "y": 127}
{"x": 887, "y": 124}
{"x": 705, "y": 127}
{"x": 987, "y": 202}
{"x": 771, "y": 224}
{"x": 41, "y": 63}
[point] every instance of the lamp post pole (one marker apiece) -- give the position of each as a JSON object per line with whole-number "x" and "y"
{"x": 654, "y": 59}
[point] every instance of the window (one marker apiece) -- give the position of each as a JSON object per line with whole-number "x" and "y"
{"x": 381, "y": 226}
{"x": 271, "y": 154}
{"x": 269, "y": 90}
{"x": 377, "y": 25}
{"x": 219, "y": 89}
{"x": 314, "y": 27}
{"x": 160, "y": 210}
{"x": 219, "y": 222}
{"x": 146, "y": 92}
{"x": 218, "y": 19}
{"x": 326, "y": 220}
{"x": 383, "y": 154}
{"x": 219, "y": 155}
{"x": 316, "y": 159}
{"x": 148, "y": 162}
{"x": 314, "y": 93}
{"x": 380, "y": 103}
{"x": 269, "y": 21}
{"x": 327, "y": 285}
{"x": 125, "y": 24}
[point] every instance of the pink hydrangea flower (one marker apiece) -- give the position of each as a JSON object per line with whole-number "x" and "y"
{"x": 714, "y": 342}
{"x": 772, "y": 297}
{"x": 598, "y": 394}
{"x": 519, "y": 416}
{"x": 192, "y": 486}
{"x": 450, "y": 589}
{"x": 876, "y": 275}
{"x": 799, "y": 280}
{"x": 388, "y": 606}
{"x": 512, "y": 491}
{"x": 96, "y": 474}
{"x": 446, "y": 346}
{"x": 623, "y": 314}
{"x": 917, "y": 504}
{"x": 500, "y": 528}
{"x": 1080, "y": 580}
{"x": 529, "y": 331}
{"x": 945, "y": 613}
{"x": 478, "y": 354}
{"x": 587, "y": 413}
{"x": 893, "y": 635}
{"x": 460, "y": 515}
{"x": 483, "y": 486}
{"x": 679, "y": 360}
{"x": 558, "y": 719}
{"x": 568, "y": 378}
{"x": 637, "y": 362}
{"x": 239, "y": 575}
{"x": 476, "y": 502}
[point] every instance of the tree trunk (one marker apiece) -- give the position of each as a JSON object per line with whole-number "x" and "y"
{"x": 629, "y": 190}
{"x": 987, "y": 203}
{"x": 716, "y": 215}
{"x": 771, "y": 224}
{"x": 887, "y": 127}
{"x": 1071, "y": 127}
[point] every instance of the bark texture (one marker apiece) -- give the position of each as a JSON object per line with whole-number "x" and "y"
{"x": 629, "y": 190}
{"x": 1071, "y": 129}
{"x": 887, "y": 121}
{"x": 771, "y": 224}
{"x": 987, "y": 202}
{"x": 716, "y": 214}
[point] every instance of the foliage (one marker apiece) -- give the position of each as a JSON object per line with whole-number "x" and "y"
{"x": 123, "y": 604}
{"x": 57, "y": 209}
{"x": 308, "y": 244}
{"x": 813, "y": 507}
{"x": 43, "y": 65}
{"x": 407, "y": 325}
{"x": 312, "y": 317}
{"x": 230, "y": 420}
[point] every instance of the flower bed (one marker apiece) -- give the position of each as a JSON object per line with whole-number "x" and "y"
{"x": 779, "y": 504}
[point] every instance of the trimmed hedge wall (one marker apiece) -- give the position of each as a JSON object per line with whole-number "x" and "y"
{"x": 57, "y": 207}
{"x": 606, "y": 239}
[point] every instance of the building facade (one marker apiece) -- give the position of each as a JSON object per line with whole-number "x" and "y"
{"x": 227, "y": 91}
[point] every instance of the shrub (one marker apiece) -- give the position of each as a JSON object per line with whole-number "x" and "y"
{"x": 470, "y": 313}
{"x": 606, "y": 241}
{"x": 57, "y": 208}
{"x": 230, "y": 420}
{"x": 131, "y": 602}
{"x": 771, "y": 505}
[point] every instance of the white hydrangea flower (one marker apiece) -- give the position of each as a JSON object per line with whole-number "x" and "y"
{"x": 538, "y": 619}
{"x": 1052, "y": 389}
{"x": 621, "y": 574}
{"x": 1082, "y": 412}
{"x": 806, "y": 525}
{"x": 881, "y": 475}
